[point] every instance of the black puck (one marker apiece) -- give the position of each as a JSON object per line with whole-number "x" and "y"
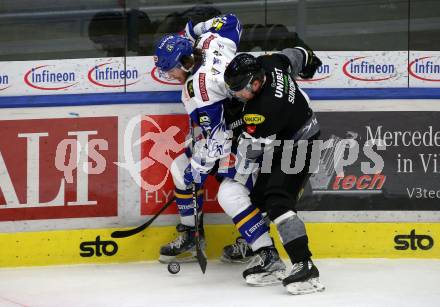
{"x": 173, "y": 267}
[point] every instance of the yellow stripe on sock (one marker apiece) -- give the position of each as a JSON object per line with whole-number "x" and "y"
{"x": 186, "y": 196}
{"x": 247, "y": 218}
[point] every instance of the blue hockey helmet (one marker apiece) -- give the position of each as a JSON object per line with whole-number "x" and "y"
{"x": 170, "y": 50}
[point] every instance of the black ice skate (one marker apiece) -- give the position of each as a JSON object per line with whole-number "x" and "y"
{"x": 303, "y": 279}
{"x": 239, "y": 252}
{"x": 183, "y": 248}
{"x": 266, "y": 268}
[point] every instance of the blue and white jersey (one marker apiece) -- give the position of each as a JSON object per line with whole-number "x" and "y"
{"x": 204, "y": 91}
{"x": 227, "y": 26}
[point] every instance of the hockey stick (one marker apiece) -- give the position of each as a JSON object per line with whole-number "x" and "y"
{"x": 201, "y": 258}
{"x": 131, "y": 232}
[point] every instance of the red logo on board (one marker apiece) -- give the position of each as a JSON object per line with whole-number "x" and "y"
{"x": 155, "y": 170}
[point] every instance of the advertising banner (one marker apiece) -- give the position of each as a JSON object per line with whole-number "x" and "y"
{"x": 70, "y": 171}
{"x": 424, "y": 69}
{"x": 58, "y": 168}
{"x": 366, "y": 69}
{"x": 340, "y": 69}
{"x": 390, "y": 161}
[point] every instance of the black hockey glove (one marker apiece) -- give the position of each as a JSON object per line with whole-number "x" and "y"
{"x": 313, "y": 62}
{"x": 310, "y": 68}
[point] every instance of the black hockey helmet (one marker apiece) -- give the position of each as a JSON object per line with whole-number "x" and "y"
{"x": 242, "y": 71}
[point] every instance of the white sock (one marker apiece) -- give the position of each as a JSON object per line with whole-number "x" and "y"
{"x": 262, "y": 241}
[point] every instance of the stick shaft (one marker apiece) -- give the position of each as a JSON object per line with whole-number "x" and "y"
{"x": 133, "y": 231}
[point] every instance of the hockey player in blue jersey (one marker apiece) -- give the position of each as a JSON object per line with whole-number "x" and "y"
{"x": 198, "y": 59}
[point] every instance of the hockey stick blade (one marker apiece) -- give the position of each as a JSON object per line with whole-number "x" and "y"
{"x": 201, "y": 258}
{"x": 131, "y": 232}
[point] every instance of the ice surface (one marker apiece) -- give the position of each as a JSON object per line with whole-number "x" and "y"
{"x": 349, "y": 282}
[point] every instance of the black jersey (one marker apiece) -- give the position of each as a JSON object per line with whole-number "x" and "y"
{"x": 280, "y": 109}
{"x": 233, "y": 116}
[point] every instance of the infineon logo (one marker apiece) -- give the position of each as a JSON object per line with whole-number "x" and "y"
{"x": 4, "y": 82}
{"x": 163, "y": 78}
{"x": 109, "y": 75}
{"x": 362, "y": 69}
{"x": 425, "y": 68}
{"x": 49, "y": 78}
{"x": 322, "y": 73}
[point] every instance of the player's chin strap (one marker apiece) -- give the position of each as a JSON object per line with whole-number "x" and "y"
{"x": 187, "y": 70}
{"x": 182, "y": 67}
{"x": 248, "y": 87}
{"x": 262, "y": 84}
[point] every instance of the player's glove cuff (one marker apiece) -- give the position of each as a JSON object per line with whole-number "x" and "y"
{"x": 191, "y": 176}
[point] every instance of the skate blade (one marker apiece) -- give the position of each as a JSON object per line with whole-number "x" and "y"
{"x": 186, "y": 257}
{"x": 311, "y": 286}
{"x": 266, "y": 279}
{"x": 237, "y": 261}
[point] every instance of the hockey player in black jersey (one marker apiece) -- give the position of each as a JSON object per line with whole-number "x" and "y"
{"x": 278, "y": 120}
